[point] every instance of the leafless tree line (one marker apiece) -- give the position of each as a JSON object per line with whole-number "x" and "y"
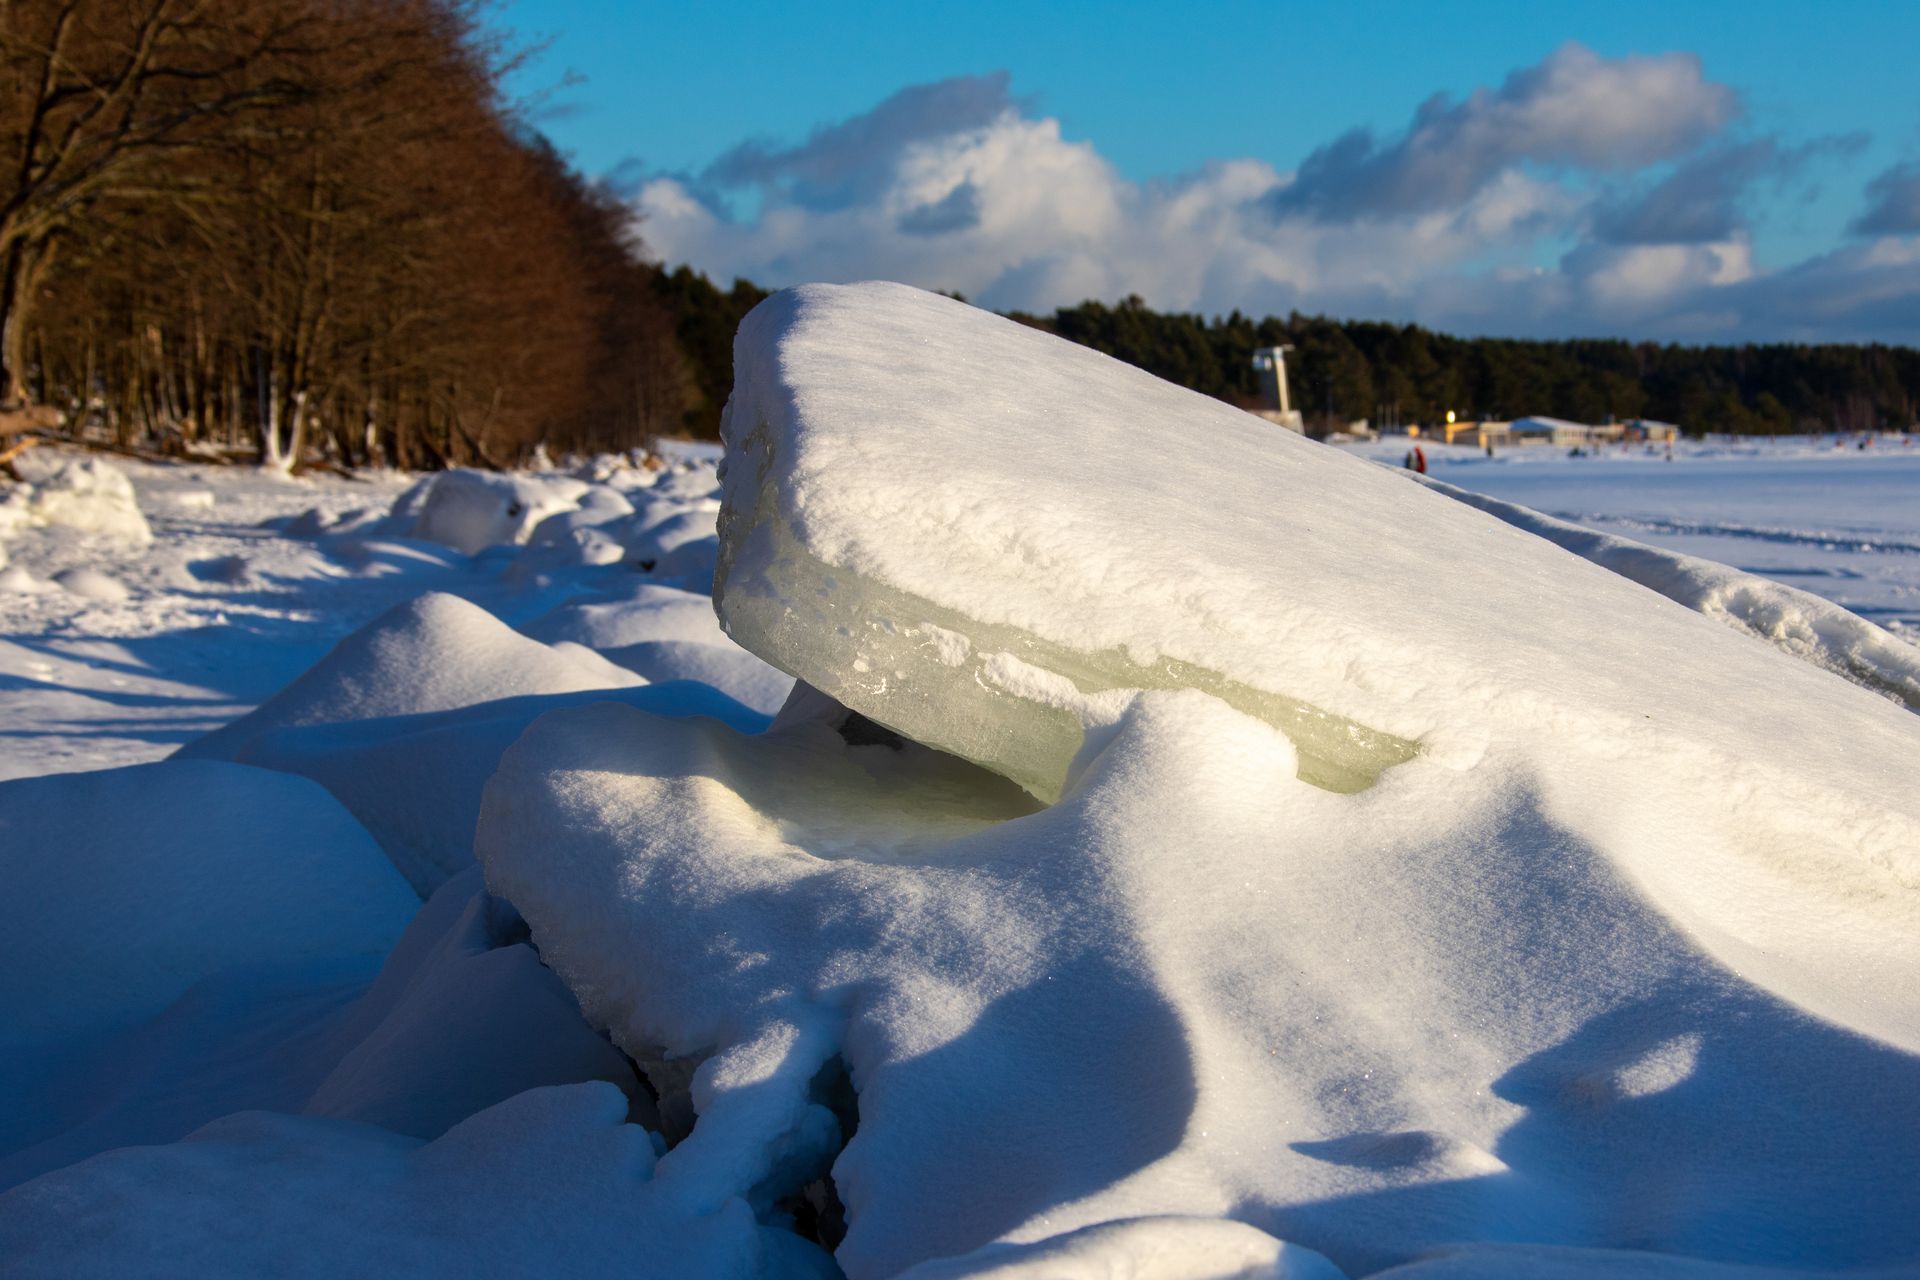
{"x": 312, "y": 226}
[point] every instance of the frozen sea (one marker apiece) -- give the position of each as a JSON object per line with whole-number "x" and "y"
{"x": 1841, "y": 522}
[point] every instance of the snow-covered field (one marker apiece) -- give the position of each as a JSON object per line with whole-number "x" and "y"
{"x": 1176, "y": 861}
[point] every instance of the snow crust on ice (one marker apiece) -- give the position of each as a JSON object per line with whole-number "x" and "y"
{"x": 1796, "y": 622}
{"x": 900, "y": 459}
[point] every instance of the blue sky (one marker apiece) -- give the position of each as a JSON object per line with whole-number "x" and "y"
{"x": 1676, "y": 170}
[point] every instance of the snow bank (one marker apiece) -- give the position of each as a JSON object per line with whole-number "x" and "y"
{"x": 1796, "y": 622}
{"x": 84, "y": 494}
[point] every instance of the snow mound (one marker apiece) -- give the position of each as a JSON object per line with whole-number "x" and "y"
{"x": 134, "y": 884}
{"x": 646, "y": 612}
{"x": 472, "y": 510}
{"x": 1439, "y": 1010}
{"x": 1143, "y": 1249}
{"x": 1796, "y": 622}
{"x": 83, "y": 494}
{"x": 461, "y": 1016}
{"x": 433, "y": 653}
{"x": 90, "y": 584}
{"x": 414, "y": 781}
{"x": 552, "y": 1178}
{"x": 727, "y": 668}
{"x": 16, "y": 578}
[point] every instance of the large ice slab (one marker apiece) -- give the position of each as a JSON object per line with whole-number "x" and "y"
{"x": 984, "y": 537}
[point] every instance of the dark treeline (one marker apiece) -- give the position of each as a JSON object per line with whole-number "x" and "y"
{"x": 1345, "y": 370}
{"x": 306, "y": 227}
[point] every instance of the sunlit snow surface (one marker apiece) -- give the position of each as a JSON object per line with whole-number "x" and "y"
{"x": 1603, "y": 971}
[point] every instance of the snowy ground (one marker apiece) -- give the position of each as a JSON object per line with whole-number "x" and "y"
{"x": 1173, "y": 865}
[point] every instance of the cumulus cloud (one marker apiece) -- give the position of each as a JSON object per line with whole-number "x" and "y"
{"x": 1576, "y": 109}
{"x": 1893, "y": 207}
{"x": 1703, "y": 199}
{"x": 1481, "y": 215}
{"x": 852, "y": 162}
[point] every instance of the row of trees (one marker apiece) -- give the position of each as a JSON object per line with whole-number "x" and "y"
{"x": 1343, "y": 370}
{"x": 316, "y": 224}
{"x": 310, "y": 223}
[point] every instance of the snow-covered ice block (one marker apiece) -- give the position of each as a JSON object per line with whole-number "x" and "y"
{"x": 949, "y": 522}
{"x": 944, "y": 520}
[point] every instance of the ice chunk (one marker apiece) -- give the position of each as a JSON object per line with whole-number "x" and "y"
{"x": 86, "y": 494}
{"x": 904, "y": 469}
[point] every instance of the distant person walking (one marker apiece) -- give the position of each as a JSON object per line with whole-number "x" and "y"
{"x": 1417, "y": 460}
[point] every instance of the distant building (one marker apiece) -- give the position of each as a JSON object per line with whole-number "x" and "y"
{"x": 1537, "y": 430}
{"x": 1652, "y": 432}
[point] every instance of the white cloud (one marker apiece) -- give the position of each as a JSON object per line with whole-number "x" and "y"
{"x": 957, "y": 185}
